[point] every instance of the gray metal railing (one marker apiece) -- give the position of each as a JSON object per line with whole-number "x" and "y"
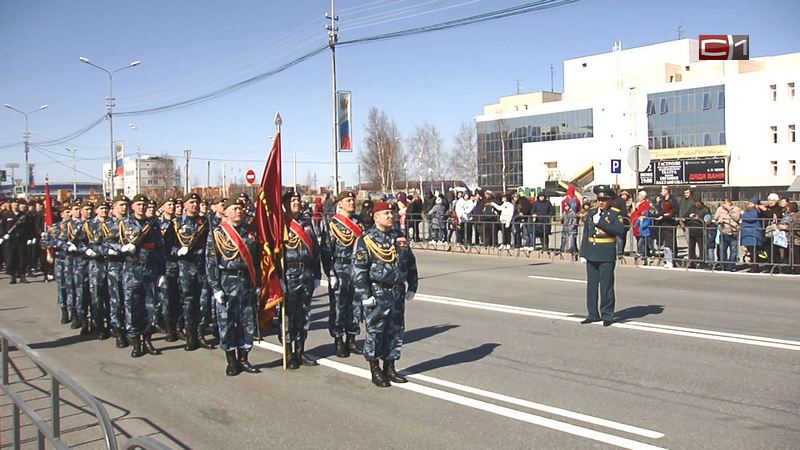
{"x": 52, "y": 431}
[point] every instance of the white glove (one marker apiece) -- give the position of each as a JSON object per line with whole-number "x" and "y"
{"x": 33, "y": 241}
{"x": 162, "y": 280}
{"x": 333, "y": 282}
{"x": 183, "y": 251}
{"x": 112, "y": 252}
{"x": 596, "y": 217}
{"x": 219, "y": 296}
{"x": 90, "y": 253}
{"x": 258, "y": 293}
{"x": 128, "y": 248}
{"x": 28, "y": 242}
{"x": 72, "y": 247}
{"x": 368, "y": 302}
{"x": 583, "y": 260}
{"x": 410, "y": 295}
{"x": 1, "y": 241}
{"x": 5, "y": 238}
{"x": 44, "y": 235}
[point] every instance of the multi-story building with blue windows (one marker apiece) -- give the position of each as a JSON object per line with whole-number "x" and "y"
{"x": 729, "y": 125}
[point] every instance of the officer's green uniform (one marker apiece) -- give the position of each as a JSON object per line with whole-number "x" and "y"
{"x": 599, "y": 248}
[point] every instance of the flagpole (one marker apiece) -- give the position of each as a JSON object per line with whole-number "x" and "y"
{"x": 278, "y": 123}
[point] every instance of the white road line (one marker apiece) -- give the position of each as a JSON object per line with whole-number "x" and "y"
{"x": 761, "y": 341}
{"x": 568, "y": 280}
{"x": 496, "y": 409}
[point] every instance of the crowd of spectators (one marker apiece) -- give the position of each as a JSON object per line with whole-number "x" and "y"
{"x": 675, "y": 230}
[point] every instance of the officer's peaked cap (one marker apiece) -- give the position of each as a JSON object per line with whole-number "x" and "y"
{"x": 603, "y": 191}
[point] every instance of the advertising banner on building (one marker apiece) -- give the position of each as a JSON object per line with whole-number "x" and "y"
{"x": 345, "y": 119}
{"x": 685, "y": 172}
{"x": 119, "y": 152}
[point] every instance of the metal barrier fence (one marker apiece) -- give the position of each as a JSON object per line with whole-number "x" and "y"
{"x": 764, "y": 245}
{"x": 52, "y": 431}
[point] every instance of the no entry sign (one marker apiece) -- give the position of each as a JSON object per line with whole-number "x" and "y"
{"x": 250, "y": 177}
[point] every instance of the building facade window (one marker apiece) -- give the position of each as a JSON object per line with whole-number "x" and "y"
{"x": 791, "y": 90}
{"x": 511, "y": 134}
{"x": 793, "y": 167}
{"x": 687, "y": 118}
{"x": 773, "y": 92}
{"x": 774, "y": 168}
{"x": 792, "y": 134}
{"x": 773, "y": 131}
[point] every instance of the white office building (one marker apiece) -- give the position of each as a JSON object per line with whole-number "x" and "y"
{"x": 150, "y": 175}
{"x": 728, "y": 125}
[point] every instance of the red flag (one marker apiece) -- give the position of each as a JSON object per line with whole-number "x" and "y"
{"x": 269, "y": 220}
{"x": 48, "y": 214}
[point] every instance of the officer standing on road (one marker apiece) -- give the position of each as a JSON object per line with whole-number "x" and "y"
{"x": 115, "y": 260}
{"x": 191, "y": 232}
{"x": 338, "y": 240}
{"x": 167, "y": 310}
{"x": 95, "y": 232}
{"x": 231, "y": 254}
{"x": 601, "y": 230}
{"x": 143, "y": 247}
{"x": 51, "y": 239}
{"x": 301, "y": 276}
{"x": 71, "y": 255}
{"x": 383, "y": 265}
{"x": 81, "y": 274}
{"x": 16, "y": 234}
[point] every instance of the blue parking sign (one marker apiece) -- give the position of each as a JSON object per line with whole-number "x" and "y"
{"x": 616, "y": 166}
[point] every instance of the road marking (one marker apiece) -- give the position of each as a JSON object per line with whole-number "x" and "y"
{"x": 747, "y": 339}
{"x": 568, "y": 280}
{"x": 497, "y": 409}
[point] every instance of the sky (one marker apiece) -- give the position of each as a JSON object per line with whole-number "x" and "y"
{"x": 189, "y": 48}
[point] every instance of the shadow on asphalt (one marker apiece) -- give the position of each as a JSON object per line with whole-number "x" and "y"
{"x": 637, "y": 312}
{"x": 418, "y": 334}
{"x": 482, "y": 269}
{"x": 12, "y": 308}
{"x": 465, "y": 356}
{"x": 61, "y": 342}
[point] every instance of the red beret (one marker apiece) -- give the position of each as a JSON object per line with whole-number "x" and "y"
{"x": 383, "y": 206}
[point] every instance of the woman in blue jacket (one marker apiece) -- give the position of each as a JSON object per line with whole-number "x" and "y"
{"x": 752, "y": 233}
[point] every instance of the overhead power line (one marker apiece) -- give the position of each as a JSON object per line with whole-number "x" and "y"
{"x": 46, "y": 153}
{"x": 72, "y": 136}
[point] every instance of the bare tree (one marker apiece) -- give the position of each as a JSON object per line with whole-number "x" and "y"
{"x": 165, "y": 176}
{"x": 464, "y": 155}
{"x": 427, "y": 152}
{"x": 382, "y": 158}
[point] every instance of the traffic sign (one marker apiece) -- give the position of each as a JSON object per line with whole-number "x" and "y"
{"x": 616, "y": 166}
{"x": 641, "y": 155}
{"x": 250, "y": 176}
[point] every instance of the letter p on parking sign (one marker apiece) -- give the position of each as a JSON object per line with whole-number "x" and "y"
{"x": 616, "y": 166}
{"x": 724, "y": 47}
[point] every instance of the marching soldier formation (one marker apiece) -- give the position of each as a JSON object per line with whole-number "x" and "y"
{"x": 128, "y": 268}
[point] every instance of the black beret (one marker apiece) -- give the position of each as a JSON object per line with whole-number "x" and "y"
{"x": 289, "y": 195}
{"x": 104, "y": 204}
{"x": 169, "y": 200}
{"x": 232, "y": 202}
{"x": 121, "y": 198}
{"x": 140, "y": 198}
{"x": 192, "y": 196}
{"x": 87, "y": 204}
{"x": 343, "y": 195}
{"x": 244, "y": 196}
{"x": 222, "y": 200}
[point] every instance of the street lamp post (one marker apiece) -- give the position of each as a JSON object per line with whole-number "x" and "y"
{"x": 74, "y": 176}
{"x": 110, "y": 106}
{"x": 27, "y": 138}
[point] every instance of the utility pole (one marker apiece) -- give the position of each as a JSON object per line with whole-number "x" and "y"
{"x": 517, "y": 87}
{"x": 294, "y": 170}
{"x": 208, "y": 175}
{"x": 333, "y": 38}
{"x": 188, "y": 154}
{"x": 27, "y": 138}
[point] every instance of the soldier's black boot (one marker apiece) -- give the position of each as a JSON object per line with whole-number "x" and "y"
{"x": 391, "y": 374}
{"x": 172, "y": 334}
{"x": 85, "y": 326}
{"x": 191, "y": 341}
{"x": 305, "y": 360}
{"x": 341, "y": 347}
{"x": 64, "y": 315}
{"x": 102, "y": 330}
{"x": 351, "y": 345}
{"x": 122, "y": 339}
{"x": 244, "y": 363}
{"x": 13, "y": 280}
{"x": 76, "y": 321}
{"x": 149, "y": 348}
{"x": 22, "y": 279}
{"x": 378, "y": 378}
{"x": 203, "y": 342}
{"x": 136, "y": 351}
{"x": 233, "y": 368}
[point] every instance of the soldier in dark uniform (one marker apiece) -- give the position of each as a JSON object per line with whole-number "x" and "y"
{"x": 338, "y": 241}
{"x": 17, "y": 230}
{"x": 168, "y": 307}
{"x": 81, "y": 274}
{"x": 602, "y": 228}
{"x": 191, "y": 232}
{"x": 178, "y": 208}
{"x": 144, "y": 261}
{"x": 115, "y": 260}
{"x": 385, "y": 278}
{"x": 94, "y": 234}
{"x": 232, "y": 253}
{"x": 51, "y": 239}
{"x": 71, "y": 256}
{"x": 301, "y": 276}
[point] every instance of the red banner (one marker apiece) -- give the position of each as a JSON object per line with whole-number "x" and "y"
{"x": 269, "y": 220}
{"x": 48, "y": 214}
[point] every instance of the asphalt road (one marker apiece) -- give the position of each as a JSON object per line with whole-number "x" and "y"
{"x": 697, "y": 360}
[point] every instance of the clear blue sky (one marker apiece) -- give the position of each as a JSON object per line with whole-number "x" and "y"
{"x": 189, "y": 48}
